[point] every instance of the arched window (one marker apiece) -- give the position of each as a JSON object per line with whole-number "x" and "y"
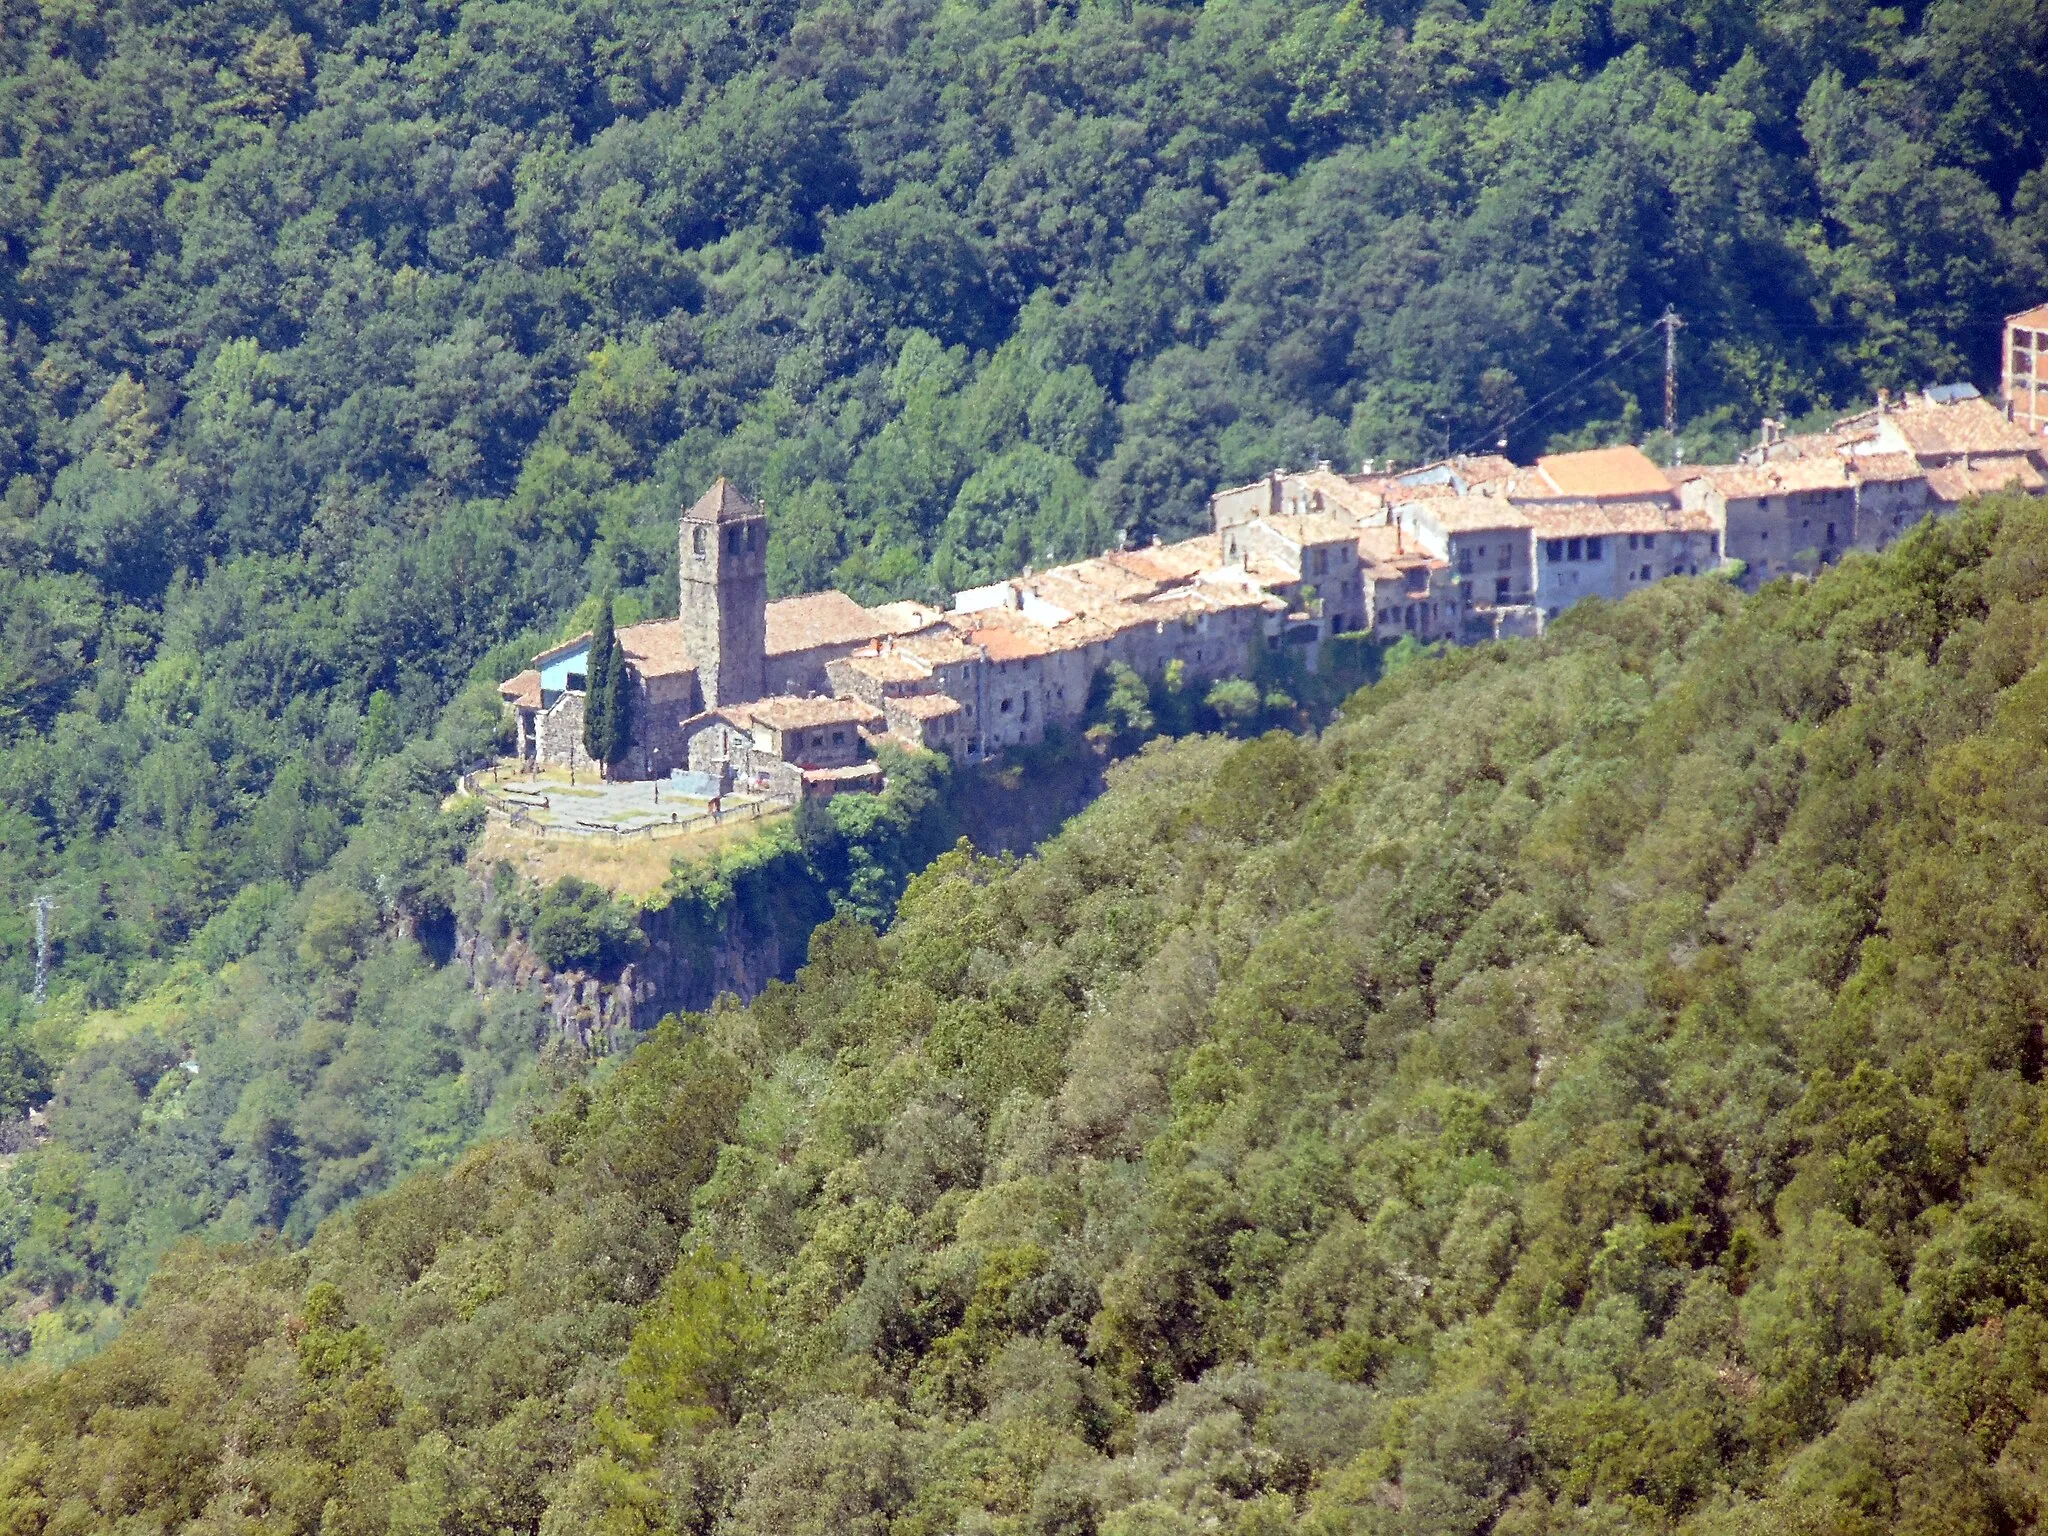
{"x": 697, "y": 542}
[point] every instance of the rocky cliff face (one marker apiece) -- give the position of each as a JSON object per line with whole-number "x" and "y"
{"x": 679, "y": 970}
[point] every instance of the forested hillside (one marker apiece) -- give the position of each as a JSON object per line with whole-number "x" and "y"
{"x": 345, "y": 346}
{"x": 1596, "y": 1086}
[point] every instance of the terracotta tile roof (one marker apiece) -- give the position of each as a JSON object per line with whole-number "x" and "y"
{"x": 785, "y": 712}
{"x": 906, "y": 618}
{"x": 841, "y": 778}
{"x": 1737, "y": 482}
{"x": 723, "y": 503}
{"x": 1312, "y": 527}
{"x": 819, "y": 619}
{"x": 1623, "y": 471}
{"x": 1006, "y": 644}
{"x": 2037, "y": 316}
{"x": 1967, "y": 426}
{"x": 1324, "y": 491}
{"x": 555, "y": 652}
{"x": 1170, "y": 563}
{"x": 1392, "y": 546}
{"x": 1483, "y": 466}
{"x": 1387, "y": 557}
{"x": 1956, "y": 482}
{"x": 1613, "y": 518}
{"x": 1885, "y": 466}
{"x": 1455, "y": 476}
{"x": 893, "y": 666}
{"x": 1777, "y": 477}
{"x": 924, "y": 706}
{"x": 1474, "y": 514}
{"x": 940, "y": 646}
{"x": 1086, "y": 581}
{"x": 523, "y": 691}
{"x": 656, "y": 649}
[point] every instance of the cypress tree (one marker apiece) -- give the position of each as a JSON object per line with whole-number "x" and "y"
{"x": 618, "y": 701}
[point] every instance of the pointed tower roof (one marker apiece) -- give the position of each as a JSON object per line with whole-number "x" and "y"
{"x": 723, "y": 503}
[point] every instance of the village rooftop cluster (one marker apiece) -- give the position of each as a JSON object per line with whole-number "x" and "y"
{"x": 789, "y": 698}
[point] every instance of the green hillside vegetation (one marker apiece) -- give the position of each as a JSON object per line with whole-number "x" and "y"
{"x": 1594, "y": 1086}
{"x": 346, "y": 345}
{"x": 307, "y": 1056}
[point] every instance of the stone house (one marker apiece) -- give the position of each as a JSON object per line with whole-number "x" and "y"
{"x": 767, "y": 745}
{"x": 1410, "y": 591}
{"x": 1485, "y": 539}
{"x": 1609, "y": 549}
{"x": 934, "y": 721}
{"x": 805, "y": 634}
{"x": 1783, "y": 516}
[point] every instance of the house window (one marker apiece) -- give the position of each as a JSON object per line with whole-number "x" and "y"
{"x": 1631, "y": 541}
{"x": 1713, "y": 544}
{"x": 839, "y": 738}
{"x": 697, "y": 542}
{"x": 1500, "y": 590}
{"x": 1593, "y": 548}
{"x": 1649, "y": 541}
{"x": 578, "y": 681}
{"x": 732, "y": 541}
{"x": 1831, "y": 533}
{"x": 1575, "y": 549}
{"x": 1006, "y": 705}
{"x": 1553, "y": 550}
{"x": 1646, "y": 573}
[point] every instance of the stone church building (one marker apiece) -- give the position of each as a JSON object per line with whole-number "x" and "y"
{"x": 790, "y": 697}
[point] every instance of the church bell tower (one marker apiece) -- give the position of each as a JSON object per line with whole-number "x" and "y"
{"x": 723, "y": 571}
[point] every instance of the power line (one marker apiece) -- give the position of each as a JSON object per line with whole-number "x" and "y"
{"x": 1628, "y": 346}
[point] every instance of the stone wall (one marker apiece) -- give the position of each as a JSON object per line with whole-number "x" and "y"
{"x": 660, "y": 705}
{"x": 558, "y": 733}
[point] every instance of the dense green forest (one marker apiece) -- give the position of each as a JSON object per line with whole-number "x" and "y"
{"x": 346, "y": 345}
{"x": 349, "y": 350}
{"x": 1595, "y": 1086}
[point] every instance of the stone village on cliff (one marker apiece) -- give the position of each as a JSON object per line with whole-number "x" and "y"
{"x": 787, "y": 699}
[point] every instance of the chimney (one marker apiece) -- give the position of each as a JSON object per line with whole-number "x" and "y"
{"x": 1274, "y": 477}
{"x": 1884, "y": 402}
{"x": 1365, "y": 466}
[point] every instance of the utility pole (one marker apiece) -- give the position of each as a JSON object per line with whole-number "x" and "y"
{"x": 42, "y": 906}
{"x": 1671, "y": 325}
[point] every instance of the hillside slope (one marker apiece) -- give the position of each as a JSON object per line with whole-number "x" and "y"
{"x": 1594, "y": 1087}
{"x": 347, "y": 345}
